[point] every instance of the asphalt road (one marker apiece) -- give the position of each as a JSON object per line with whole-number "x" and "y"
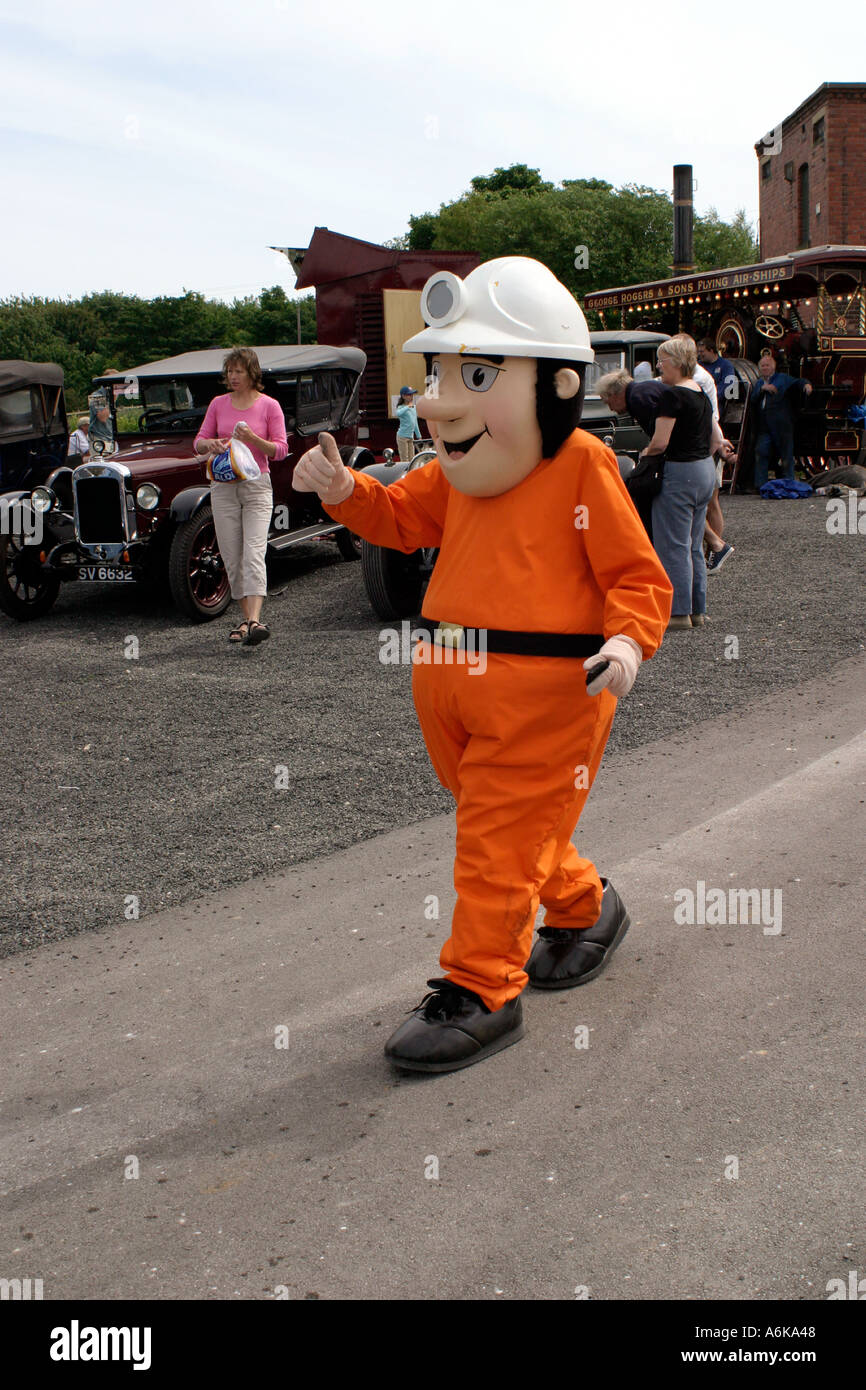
{"x": 157, "y": 1143}
{"x": 197, "y": 1105}
{"x": 193, "y": 766}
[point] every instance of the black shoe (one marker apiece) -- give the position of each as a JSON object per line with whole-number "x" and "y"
{"x": 451, "y": 1028}
{"x": 564, "y": 957}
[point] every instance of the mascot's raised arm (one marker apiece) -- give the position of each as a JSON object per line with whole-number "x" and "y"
{"x": 545, "y": 568}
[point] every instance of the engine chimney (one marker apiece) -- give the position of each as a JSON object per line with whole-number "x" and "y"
{"x": 684, "y": 221}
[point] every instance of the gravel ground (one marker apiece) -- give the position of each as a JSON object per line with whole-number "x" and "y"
{"x": 154, "y": 777}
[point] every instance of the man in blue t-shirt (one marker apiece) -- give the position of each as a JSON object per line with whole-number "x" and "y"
{"x": 774, "y": 398}
{"x": 723, "y": 374}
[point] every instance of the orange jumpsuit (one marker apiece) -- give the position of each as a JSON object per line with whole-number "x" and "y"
{"x": 519, "y": 745}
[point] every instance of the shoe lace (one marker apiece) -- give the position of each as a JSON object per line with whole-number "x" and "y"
{"x": 443, "y": 999}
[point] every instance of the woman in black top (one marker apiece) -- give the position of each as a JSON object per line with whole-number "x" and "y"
{"x": 688, "y": 436}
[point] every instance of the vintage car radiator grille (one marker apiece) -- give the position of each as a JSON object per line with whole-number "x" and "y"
{"x": 100, "y": 511}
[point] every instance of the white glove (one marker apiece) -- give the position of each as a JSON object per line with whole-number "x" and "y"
{"x": 322, "y": 470}
{"x": 625, "y": 657}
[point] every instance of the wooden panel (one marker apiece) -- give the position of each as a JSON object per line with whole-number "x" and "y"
{"x": 402, "y": 320}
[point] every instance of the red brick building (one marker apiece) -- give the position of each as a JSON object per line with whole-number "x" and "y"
{"x": 812, "y": 186}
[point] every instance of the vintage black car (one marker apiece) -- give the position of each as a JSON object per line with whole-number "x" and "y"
{"x": 34, "y": 434}
{"x": 142, "y": 514}
{"x": 627, "y": 348}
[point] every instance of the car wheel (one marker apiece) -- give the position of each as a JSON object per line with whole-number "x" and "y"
{"x": 395, "y": 582}
{"x": 348, "y": 544}
{"x": 25, "y": 590}
{"x": 196, "y": 573}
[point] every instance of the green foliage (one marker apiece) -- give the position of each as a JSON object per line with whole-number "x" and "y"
{"x": 516, "y": 178}
{"x": 719, "y": 244}
{"x": 88, "y": 335}
{"x": 627, "y": 232}
{"x": 422, "y": 231}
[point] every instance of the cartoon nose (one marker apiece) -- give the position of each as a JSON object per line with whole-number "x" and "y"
{"x": 446, "y": 404}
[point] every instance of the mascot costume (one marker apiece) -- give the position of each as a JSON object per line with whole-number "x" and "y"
{"x": 544, "y": 565}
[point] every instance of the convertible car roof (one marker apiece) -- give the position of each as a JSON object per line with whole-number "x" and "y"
{"x": 14, "y": 374}
{"x": 279, "y": 358}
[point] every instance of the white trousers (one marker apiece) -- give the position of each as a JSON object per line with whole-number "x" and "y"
{"x": 242, "y": 518}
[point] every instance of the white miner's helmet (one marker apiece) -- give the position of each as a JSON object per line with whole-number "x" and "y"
{"x": 510, "y": 307}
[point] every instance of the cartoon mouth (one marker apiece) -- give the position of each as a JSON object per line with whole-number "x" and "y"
{"x": 459, "y": 448}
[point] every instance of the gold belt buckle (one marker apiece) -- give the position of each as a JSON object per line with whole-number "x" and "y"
{"x": 449, "y": 635}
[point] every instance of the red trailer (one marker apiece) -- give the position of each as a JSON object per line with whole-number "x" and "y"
{"x": 369, "y": 296}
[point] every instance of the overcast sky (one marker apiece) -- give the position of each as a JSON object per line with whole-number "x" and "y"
{"x": 163, "y": 146}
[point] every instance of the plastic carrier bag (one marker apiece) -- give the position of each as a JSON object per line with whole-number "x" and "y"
{"x": 234, "y": 464}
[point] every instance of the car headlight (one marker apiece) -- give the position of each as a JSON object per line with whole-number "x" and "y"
{"x": 147, "y": 497}
{"x": 42, "y": 499}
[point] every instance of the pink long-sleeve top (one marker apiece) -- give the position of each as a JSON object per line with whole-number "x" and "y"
{"x": 264, "y": 417}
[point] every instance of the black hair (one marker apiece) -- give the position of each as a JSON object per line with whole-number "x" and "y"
{"x": 556, "y": 418}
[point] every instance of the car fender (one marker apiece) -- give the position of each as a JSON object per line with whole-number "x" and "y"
{"x": 186, "y": 503}
{"x": 357, "y": 457}
{"x": 14, "y": 495}
{"x": 56, "y": 526}
{"x": 385, "y": 472}
{"x": 391, "y": 472}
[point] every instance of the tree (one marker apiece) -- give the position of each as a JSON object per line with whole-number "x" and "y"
{"x": 422, "y": 231}
{"x": 107, "y": 329}
{"x": 516, "y": 178}
{"x": 719, "y": 244}
{"x": 627, "y": 232}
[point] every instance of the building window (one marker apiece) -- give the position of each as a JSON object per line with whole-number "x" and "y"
{"x": 818, "y": 131}
{"x": 766, "y": 169}
{"x": 803, "y": 203}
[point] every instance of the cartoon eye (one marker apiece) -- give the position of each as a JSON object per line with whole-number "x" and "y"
{"x": 478, "y": 378}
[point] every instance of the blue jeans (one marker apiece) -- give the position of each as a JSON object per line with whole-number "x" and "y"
{"x": 777, "y": 443}
{"x": 679, "y": 514}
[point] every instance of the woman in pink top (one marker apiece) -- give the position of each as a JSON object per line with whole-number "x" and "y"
{"x": 242, "y": 510}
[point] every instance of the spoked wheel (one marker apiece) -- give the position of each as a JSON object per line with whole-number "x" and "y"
{"x": 26, "y": 591}
{"x": 769, "y": 326}
{"x": 196, "y": 573}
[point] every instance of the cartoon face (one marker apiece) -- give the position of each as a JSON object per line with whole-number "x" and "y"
{"x": 482, "y": 419}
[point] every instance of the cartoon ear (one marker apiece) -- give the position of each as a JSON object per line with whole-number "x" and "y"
{"x": 567, "y": 383}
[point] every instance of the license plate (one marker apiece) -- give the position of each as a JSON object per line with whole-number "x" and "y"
{"x": 105, "y": 574}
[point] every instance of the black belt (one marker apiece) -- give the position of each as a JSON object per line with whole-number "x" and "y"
{"x": 505, "y": 643}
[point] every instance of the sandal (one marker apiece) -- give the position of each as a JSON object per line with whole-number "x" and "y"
{"x": 239, "y": 633}
{"x": 256, "y": 633}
